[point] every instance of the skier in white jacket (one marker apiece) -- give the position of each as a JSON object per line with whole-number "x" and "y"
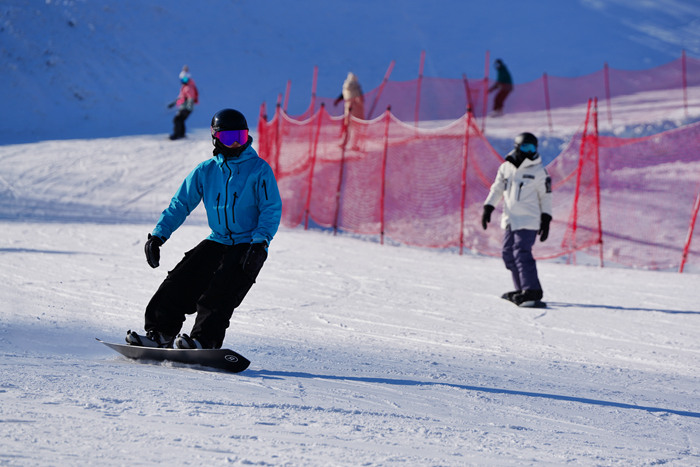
{"x": 526, "y": 189}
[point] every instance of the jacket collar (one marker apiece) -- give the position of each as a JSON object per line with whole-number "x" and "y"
{"x": 510, "y": 157}
{"x": 248, "y": 154}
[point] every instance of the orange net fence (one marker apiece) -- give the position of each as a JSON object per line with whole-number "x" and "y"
{"x": 623, "y": 201}
{"x": 433, "y": 99}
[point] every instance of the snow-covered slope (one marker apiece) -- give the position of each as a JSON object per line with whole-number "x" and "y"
{"x": 362, "y": 354}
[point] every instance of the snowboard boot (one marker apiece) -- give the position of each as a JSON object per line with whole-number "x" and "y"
{"x": 183, "y": 341}
{"x": 151, "y": 339}
{"x": 510, "y": 295}
{"x": 528, "y": 298}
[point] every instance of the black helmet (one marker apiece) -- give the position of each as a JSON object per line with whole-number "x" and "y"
{"x": 526, "y": 145}
{"x": 228, "y": 119}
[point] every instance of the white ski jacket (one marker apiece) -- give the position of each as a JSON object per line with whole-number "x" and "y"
{"x": 526, "y": 191}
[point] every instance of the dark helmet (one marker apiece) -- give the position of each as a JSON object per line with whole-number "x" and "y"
{"x": 526, "y": 145}
{"x": 228, "y": 119}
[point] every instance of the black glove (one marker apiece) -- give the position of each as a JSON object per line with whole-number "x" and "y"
{"x": 486, "y": 216}
{"x": 172, "y": 104}
{"x": 337, "y": 101}
{"x": 253, "y": 259}
{"x": 152, "y": 248}
{"x": 545, "y": 219}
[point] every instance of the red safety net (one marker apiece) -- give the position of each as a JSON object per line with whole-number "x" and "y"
{"x": 431, "y": 99}
{"x": 626, "y": 201}
{"x": 649, "y": 190}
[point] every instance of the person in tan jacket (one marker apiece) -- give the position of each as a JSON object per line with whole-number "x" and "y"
{"x": 353, "y": 97}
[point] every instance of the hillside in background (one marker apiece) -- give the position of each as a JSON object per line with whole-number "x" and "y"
{"x": 82, "y": 69}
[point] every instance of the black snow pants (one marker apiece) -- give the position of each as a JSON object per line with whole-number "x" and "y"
{"x": 208, "y": 281}
{"x": 179, "y": 123}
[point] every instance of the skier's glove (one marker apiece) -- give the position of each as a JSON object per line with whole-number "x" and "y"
{"x": 152, "y": 248}
{"x": 253, "y": 259}
{"x": 486, "y": 216}
{"x": 545, "y": 219}
{"x": 172, "y": 104}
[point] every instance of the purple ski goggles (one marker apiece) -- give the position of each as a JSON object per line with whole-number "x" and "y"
{"x": 228, "y": 137}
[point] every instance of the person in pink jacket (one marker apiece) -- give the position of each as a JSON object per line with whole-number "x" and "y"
{"x": 186, "y": 99}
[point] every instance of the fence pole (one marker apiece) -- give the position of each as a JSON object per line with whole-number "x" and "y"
{"x": 584, "y": 138}
{"x": 691, "y": 228}
{"x": 468, "y": 93}
{"x": 420, "y": 82}
{"x": 278, "y": 132}
{"x": 346, "y": 130}
{"x": 307, "y": 205}
{"x": 606, "y": 70}
{"x": 465, "y": 162}
{"x": 286, "y": 94}
{"x": 485, "y": 93}
{"x": 314, "y": 81}
{"x": 685, "y": 82}
{"x": 546, "y": 101}
{"x": 263, "y": 140}
{"x": 596, "y": 147}
{"x": 381, "y": 88}
{"x": 387, "y": 115}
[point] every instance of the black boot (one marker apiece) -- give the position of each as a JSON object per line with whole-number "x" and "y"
{"x": 510, "y": 295}
{"x": 528, "y": 298}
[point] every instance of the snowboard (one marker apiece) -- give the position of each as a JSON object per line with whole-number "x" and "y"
{"x": 528, "y": 304}
{"x": 533, "y": 304}
{"x": 222, "y": 359}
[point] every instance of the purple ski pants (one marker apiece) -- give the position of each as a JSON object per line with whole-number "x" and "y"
{"x": 517, "y": 255}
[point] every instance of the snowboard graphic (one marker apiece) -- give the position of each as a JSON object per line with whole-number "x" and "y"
{"x": 223, "y": 359}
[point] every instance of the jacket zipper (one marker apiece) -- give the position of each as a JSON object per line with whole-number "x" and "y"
{"x": 228, "y": 179}
{"x": 233, "y": 208}
{"x": 218, "y": 214}
{"x": 520, "y": 189}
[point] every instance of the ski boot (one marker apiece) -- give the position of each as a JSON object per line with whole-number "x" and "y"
{"x": 151, "y": 339}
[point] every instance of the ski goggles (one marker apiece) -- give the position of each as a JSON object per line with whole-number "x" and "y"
{"x": 228, "y": 137}
{"x": 528, "y": 148}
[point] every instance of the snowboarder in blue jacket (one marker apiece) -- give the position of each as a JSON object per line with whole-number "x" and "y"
{"x": 244, "y": 209}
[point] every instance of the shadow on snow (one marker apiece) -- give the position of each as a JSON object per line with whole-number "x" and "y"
{"x": 501, "y": 391}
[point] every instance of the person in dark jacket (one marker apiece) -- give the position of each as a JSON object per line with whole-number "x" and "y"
{"x": 244, "y": 209}
{"x": 504, "y": 85}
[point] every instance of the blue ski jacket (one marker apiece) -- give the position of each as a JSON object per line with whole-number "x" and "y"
{"x": 240, "y": 196}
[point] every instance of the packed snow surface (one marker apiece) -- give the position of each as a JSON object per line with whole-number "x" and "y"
{"x": 362, "y": 353}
